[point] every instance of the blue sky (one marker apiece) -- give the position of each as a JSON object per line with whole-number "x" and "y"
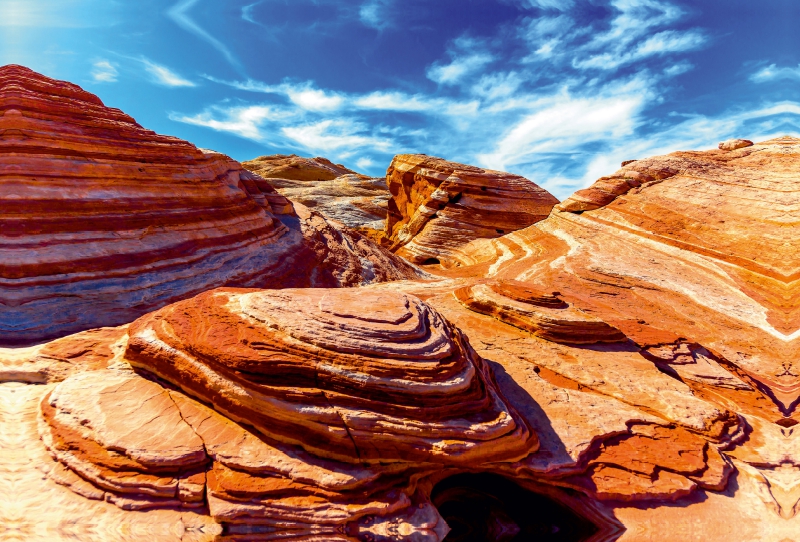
{"x": 560, "y": 91}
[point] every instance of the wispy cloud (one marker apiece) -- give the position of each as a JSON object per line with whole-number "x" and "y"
{"x": 332, "y": 135}
{"x": 467, "y": 56}
{"x": 161, "y": 75}
{"x": 180, "y": 14}
{"x": 103, "y": 71}
{"x": 376, "y": 14}
{"x": 774, "y": 73}
{"x": 560, "y": 5}
{"x": 244, "y": 121}
{"x": 548, "y": 99}
{"x": 564, "y": 123}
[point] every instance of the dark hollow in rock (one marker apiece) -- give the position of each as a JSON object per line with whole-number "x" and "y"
{"x": 490, "y": 508}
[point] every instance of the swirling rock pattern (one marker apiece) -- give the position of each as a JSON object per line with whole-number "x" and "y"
{"x": 349, "y": 397}
{"x": 437, "y": 206}
{"x": 102, "y": 220}
{"x": 349, "y": 375}
{"x": 540, "y": 313}
{"x": 693, "y": 262}
{"x": 635, "y": 349}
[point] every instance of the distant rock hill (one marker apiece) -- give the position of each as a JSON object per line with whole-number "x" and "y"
{"x": 437, "y": 206}
{"x": 356, "y": 200}
{"x": 102, "y": 220}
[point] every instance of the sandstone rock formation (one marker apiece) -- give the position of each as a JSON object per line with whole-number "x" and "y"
{"x": 348, "y": 397}
{"x": 438, "y": 206}
{"x": 283, "y": 167}
{"x": 624, "y": 369}
{"x": 356, "y": 200}
{"x": 102, "y": 220}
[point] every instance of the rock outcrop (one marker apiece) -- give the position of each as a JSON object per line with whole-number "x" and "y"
{"x": 356, "y": 200}
{"x": 695, "y": 266}
{"x": 325, "y": 368}
{"x": 437, "y": 207}
{"x": 290, "y": 167}
{"x": 102, "y": 220}
{"x": 348, "y": 396}
{"x": 623, "y": 369}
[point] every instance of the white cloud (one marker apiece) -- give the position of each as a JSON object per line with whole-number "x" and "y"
{"x": 375, "y": 14}
{"x": 564, "y": 123}
{"x": 774, "y": 73}
{"x": 394, "y": 101}
{"x": 658, "y": 44}
{"x": 364, "y": 163}
{"x": 103, "y": 71}
{"x": 312, "y": 99}
{"x": 162, "y": 75}
{"x": 497, "y": 85}
{"x": 670, "y": 41}
{"x": 335, "y": 135}
{"x": 244, "y": 121}
{"x": 636, "y": 18}
{"x": 678, "y": 68}
{"x": 458, "y": 68}
{"x": 559, "y": 5}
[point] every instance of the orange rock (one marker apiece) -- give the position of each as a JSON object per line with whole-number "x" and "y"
{"x": 102, "y": 220}
{"x": 633, "y": 355}
{"x": 437, "y": 206}
{"x": 733, "y": 144}
{"x": 356, "y": 200}
{"x": 283, "y": 167}
{"x": 542, "y": 314}
{"x": 356, "y": 376}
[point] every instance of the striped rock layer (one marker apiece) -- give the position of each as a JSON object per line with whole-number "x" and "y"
{"x": 356, "y": 200}
{"x": 632, "y": 356}
{"x": 351, "y": 375}
{"x": 437, "y": 207}
{"x": 102, "y": 220}
{"x": 691, "y": 257}
{"x": 344, "y": 398}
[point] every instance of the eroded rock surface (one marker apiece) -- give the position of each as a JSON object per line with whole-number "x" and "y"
{"x": 290, "y": 167}
{"x": 346, "y": 399}
{"x": 356, "y": 200}
{"x": 437, "y": 207}
{"x": 102, "y": 220}
{"x": 631, "y": 357}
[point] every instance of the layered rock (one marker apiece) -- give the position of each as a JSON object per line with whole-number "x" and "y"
{"x": 356, "y": 200}
{"x": 351, "y": 375}
{"x": 349, "y": 398}
{"x": 540, "y": 313}
{"x": 328, "y": 254}
{"x": 697, "y": 268}
{"x": 437, "y": 207}
{"x": 102, "y": 220}
{"x": 631, "y": 357}
{"x": 290, "y": 167}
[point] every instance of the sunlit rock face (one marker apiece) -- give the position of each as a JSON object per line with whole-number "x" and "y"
{"x": 356, "y": 200}
{"x": 623, "y": 369}
{"x": 102, "y": 220}
{"x": 437, "y": 207}
{"x": 691, "y": 256}
{"x": 345, "y": 399}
